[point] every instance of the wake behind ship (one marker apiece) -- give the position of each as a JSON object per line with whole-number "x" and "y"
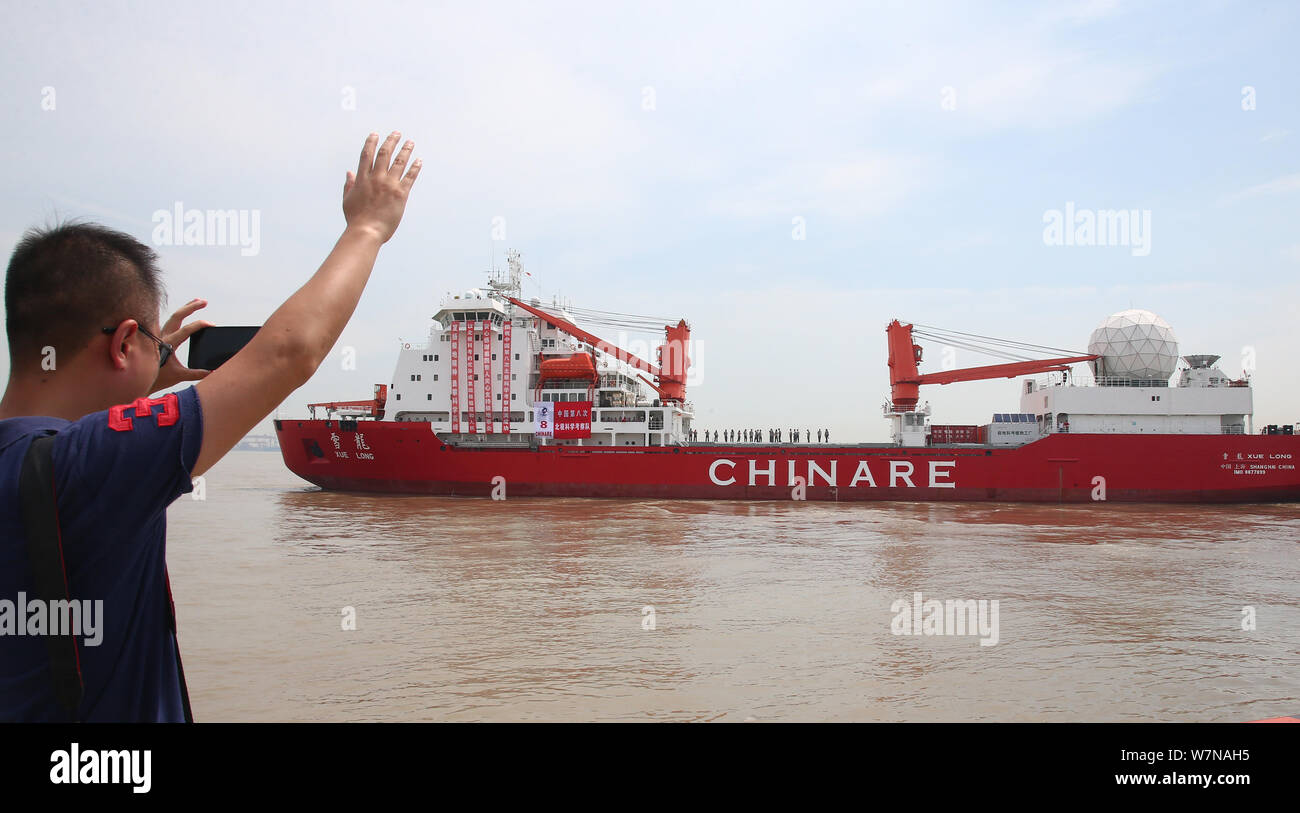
{"x": 508, "y": 398}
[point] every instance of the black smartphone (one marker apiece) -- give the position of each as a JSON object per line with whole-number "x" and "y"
{"x": 210, "y": 347}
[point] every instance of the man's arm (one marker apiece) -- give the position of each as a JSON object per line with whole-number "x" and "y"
{"x": 297, "y": 337}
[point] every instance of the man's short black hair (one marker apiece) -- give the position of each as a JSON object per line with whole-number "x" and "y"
{"x": 67, "y": 281}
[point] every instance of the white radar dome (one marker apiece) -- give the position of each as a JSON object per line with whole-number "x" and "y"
{"x": 1135, "y": 344}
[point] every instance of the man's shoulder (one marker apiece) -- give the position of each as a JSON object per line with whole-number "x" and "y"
{"x": 161, "y": 411}
{"x": 139, "y": 452}
{"x": 162, "y": 432}
{"x": 14, "y": 430}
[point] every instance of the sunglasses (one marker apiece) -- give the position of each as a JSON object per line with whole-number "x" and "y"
{"x": 164, "y": 349}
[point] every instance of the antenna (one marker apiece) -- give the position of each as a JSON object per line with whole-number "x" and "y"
{"x": 509, "y": 283}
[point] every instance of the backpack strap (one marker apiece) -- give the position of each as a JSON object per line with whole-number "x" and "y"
{"x": 45, "y": 551}
{"x": 176, "y": 646}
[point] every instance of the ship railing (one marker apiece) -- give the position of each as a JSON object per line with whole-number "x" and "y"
{"x": 567, "y": 384}
{"x": 1225, "y": 430}
{"x": 1076, "y": 379}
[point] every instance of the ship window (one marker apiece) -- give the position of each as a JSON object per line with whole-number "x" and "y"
{"x": 435, "y": 376}
{"x": 435, "y": 356}
{"x": 399, "y": 396}
{"x": 494, "y": 356}
{"x": 498, "y": 396}
{"x": 476, "y": 376}
{"x": 476, "y": 356}
{"x": 513, "y": 376}
{"x": 428, "y": 396}
{"x": 513, "y": 396}
{"x": 412, "y": 376}
{"x": 419, "y": 377}
{"x": 516, "y": 357}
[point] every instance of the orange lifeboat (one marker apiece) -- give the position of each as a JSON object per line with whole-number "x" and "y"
{"x": 579, "y": 366}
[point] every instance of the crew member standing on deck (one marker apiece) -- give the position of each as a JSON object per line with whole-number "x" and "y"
{"x": 86, "y": 351}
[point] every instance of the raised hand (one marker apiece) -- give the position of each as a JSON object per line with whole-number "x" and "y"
{"x": 374, "y": 197}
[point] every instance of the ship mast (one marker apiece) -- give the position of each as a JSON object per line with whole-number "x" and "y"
{"x": 509, "y": 284}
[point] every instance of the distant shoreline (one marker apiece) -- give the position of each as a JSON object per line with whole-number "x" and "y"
{"x": 258, "y": 443}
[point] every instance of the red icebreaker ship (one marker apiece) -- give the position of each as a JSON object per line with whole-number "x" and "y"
{"x": 511, "y": 397}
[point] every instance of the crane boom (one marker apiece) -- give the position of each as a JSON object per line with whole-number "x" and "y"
{"x": 905, "y": 378}
{"x": 669, "y": 375}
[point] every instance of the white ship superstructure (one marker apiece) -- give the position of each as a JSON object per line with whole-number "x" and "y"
{"x": 1131, "y": 391}
{"x": 489, "y": 364}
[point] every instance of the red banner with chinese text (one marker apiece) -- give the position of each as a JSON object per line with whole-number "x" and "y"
{"x": 573, "y": 419}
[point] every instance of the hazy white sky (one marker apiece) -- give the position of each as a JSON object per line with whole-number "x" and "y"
{"x": 653, "y": 158}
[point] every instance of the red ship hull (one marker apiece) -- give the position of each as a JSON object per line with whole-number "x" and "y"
{"x": 402, "y": 457}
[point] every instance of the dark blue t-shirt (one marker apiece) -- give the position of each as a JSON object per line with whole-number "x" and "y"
{"x": 115, "y": 473}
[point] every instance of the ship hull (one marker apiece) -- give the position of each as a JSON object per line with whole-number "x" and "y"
{"x": 408, "y": 458}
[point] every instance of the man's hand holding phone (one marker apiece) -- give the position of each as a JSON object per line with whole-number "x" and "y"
{"x": 175, "y": 333}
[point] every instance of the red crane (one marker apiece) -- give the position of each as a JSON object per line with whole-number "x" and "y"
{"x": 905, "y": 379}
{"x": 669, "y": 374}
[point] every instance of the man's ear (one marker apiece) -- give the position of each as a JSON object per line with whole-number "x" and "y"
{"x": 119, "y": 346}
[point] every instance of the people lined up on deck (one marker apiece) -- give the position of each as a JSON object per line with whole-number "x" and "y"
{"x": 757, "y": 435}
